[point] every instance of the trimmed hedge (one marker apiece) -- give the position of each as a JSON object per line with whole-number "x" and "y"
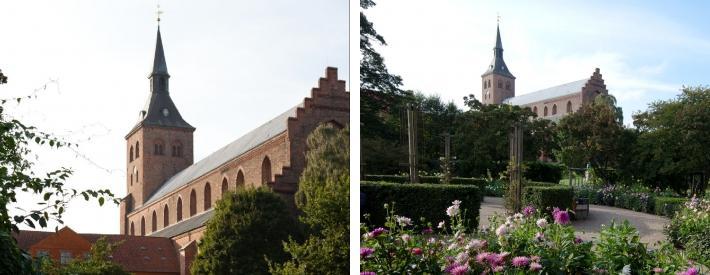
{"x": 667, "y": 206}
{"x": 417, "y": 201}
{"x": 481, "y": 183}
{"x": 543, "y": 171}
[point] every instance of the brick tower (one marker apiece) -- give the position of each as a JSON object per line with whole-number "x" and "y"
{"x": 159, "y": 145}
{"x": 497, "y": 82}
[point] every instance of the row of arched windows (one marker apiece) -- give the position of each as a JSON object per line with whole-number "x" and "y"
{"x": 207, "y": 200}
{"x": 158, "y": 150}
{"x": 554, "y": 109}
{"x": 487, "y": 84}
{"x": 138, "y": 152}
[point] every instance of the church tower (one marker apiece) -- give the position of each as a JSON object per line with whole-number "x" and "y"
{"x": 498, "y": 83}
{"x": 159, "y": 145}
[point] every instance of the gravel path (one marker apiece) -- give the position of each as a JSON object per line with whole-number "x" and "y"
{"x": 650, "y": 227}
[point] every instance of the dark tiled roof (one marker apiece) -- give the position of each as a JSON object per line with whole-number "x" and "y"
{"x": 185, "y": 225}
{"x": 238, "y": 147}
{"x": 134, "y": 254}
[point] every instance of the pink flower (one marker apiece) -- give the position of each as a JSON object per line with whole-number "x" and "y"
{"x": 368, "y": 273}
{"x": 378, "y": 231}
{"x": 521, "y": 261}
{"x": 502, "y": 230}
{"x": 690, "y": 271}
{"x": 427, "y": 230}
{"x": 577, "y": 240}
{"x": 561, "y": 217}
{"x": 535, "y": 266}
{"x": 529, "y": 210}
{"x": 417, "y": 251}
{"x": 459, "y": 270}
{"x": 498, "y": 268}
{"x": 366, "y": 251}
{"x": 539, "y": 236}
{"x": 481, "y": 257}
{"x": 535, "y": 258}
{"x": 658, "y": 269}
{"x": 496, "y": 259}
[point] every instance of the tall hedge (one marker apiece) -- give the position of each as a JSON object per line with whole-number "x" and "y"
{"x": 543, "y": 171}
{"x": 428, "y": 201}
{"x": 544, "y": 196}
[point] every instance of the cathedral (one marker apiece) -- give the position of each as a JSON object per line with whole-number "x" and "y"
{"x": 498, "y": 87}
{"x": 171, "y": 196}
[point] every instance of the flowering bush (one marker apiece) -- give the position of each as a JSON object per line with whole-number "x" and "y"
{"x": 524, "y": 243}
{"x": 690, "y": 227}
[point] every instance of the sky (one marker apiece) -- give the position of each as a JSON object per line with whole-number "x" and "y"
{"x": 646, "y": 50}
{"x": 233, "y": 65}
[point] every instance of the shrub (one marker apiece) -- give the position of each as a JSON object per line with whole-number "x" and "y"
{"x": 248, "y": 226}
{"x": 544, "y": 196}
{"x": 619, "y": 245}
{"x": 667, "y": 206}
{"x": 418, "y": 200}
{"x": 496, "y": 188}
{"x": 689, "y": 229}
{"x": 543, "y": 171}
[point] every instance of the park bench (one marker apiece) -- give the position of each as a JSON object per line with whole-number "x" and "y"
{"x": 581, "y": 206}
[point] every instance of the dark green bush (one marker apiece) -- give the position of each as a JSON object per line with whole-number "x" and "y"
{"x": 546, "y": 197}
{"x": 667, "y": 206}
{"x": 417, "y": 201}
{"x": 543, "y": 171}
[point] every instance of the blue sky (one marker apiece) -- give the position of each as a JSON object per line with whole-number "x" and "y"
{"x": 233, "y": 64}
{"x": 646, "y": 50}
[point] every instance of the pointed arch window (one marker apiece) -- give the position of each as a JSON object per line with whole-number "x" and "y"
{"x": 569, "y": 107}
{"x": 545, "y": 111}
{"x": 133, "y": 231}
{"x": 500, "y": 84}
{"x": 130, "y": 154}
{"x": 193, "y": 203}
{"x": 507, "y": 85}
{"x": 535, "y": 110}
{"x": 554, "y": 109}
{"x": 142, "y": 226}
{"x": 179, "y": 209}
{"x": 154, "y": 222}
{"x": 177, "y": 149}
{"x": 158, "y": 148}
{"x": 138, "y": 149}
{"x": 166, "y": 216}
{"x": 208, "y": 197}
{"x": 240, "y": 178}
{"x": 266, "y": 170}
{"x": 224, "y": 186}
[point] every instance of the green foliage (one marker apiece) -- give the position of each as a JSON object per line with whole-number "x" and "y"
{"x": 667, "y": 206}
{"x": 248, "y": 227}
{"x": 619, "y": 245}
{"x": 12, "y": 259}
{"x": 674, "y": 141}
{"x": 97, "y": 263}
{"x": 543, "y": 171}
{"x": 323, "y": 196}
{"x": 419, "y": 200}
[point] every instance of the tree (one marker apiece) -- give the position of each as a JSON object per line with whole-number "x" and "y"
{"x": 673, "y": 140}
{"x": 17, "y": 175}
{"x": 97, "y": 263}
{"x": 248, "y": 227}
{"x": 323, "y": 196}
{"x": 595, "y": 135}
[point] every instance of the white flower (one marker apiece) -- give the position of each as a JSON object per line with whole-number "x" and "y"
{"x": 453, "y": 246}
{"x": 474, "y": 244}
{"x": 518, "y": 216}
{"x": 403, "y": 221}
{"x": 462, "y": 258}
{"x": 541, "y": 222}
{"x": 456, "y": 202}
{"x": 502, "y": 230}
{"x": 442, "y": 224}
{"x": 452, "y": 210}
{"x": 431, "y": 240}
{"x": 406, "y": 238}
{"x": 626, "y": 270}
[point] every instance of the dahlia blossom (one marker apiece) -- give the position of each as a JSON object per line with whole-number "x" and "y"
{"x": 476, "y": 244}
{"x": 529, "y": 210}
{"x": 403, "y": 221}
{"x": 452, "y": 210}
{"x": 417, "y": 251}
{"x": 535, "y": 266}
{"x": 406, "y": 237}
{"x": 482, "y": 257}
{"x": 690, "y": 271}
{"x": 502, "y": 230}
{"x": 378, "y": 231}
{"x": 462, "y": 258}
{"x": 521, "y": 261}
{"x": 541, "y": 222}
{"x": 459, "y": 270}
{"x": 366, "y": 251}
{"x": 561, "y": 217}
{"x": 441, "y": 224}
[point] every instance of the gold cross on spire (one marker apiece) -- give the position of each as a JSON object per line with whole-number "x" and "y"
{"x": 158, "y": 12}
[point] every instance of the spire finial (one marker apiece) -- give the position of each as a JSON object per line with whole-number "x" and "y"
{"x": 158, "y": 12}
{"x": 497, "y": 18}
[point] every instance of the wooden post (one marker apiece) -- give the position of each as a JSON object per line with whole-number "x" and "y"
{"x": 516, "y": 154}
{"x": 412, "y": 138}
{"x": 447, "y": 162}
